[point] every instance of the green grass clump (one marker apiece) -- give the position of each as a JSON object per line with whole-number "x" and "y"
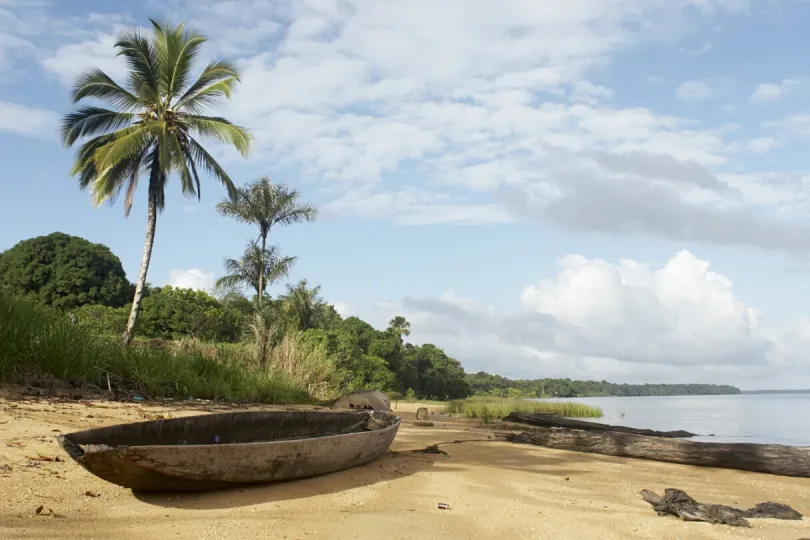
{"x": 493, "y": 408}
{"x": 38, "y": 341}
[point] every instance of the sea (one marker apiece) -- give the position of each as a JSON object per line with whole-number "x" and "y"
{"x": 754, "y": 418}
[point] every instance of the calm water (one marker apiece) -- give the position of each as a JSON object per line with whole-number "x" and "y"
{"x": 759, "y": 418}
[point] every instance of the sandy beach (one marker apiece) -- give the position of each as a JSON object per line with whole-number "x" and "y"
{"x": 495, "y": 490}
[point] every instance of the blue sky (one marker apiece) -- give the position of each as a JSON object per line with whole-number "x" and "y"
{"x": 602, "y": 188}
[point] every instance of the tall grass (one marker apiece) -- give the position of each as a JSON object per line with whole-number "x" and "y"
{"x": 37, "y": 341}
{"x": 306, "y": 365}
{"x": 493, "y": 408}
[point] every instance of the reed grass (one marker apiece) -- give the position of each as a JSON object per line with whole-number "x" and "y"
{"x": 38, "y": 342}
{"x": 493, "y": 408}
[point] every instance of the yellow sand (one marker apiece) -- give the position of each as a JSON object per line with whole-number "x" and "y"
{"x": 496, "y": 490}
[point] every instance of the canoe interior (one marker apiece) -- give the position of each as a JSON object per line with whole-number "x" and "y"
{"x": 234, "y": 428}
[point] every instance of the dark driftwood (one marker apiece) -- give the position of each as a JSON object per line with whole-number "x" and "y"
{"x": 677, "y": 503}
{"x": 556, "y": 421}
{"x": 764, "y": 458}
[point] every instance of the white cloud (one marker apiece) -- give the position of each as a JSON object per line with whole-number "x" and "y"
{"x": 776, "y": 91}
{"x": 693, "y": 91}
{"x": 193, "y": 278}
{"x": 761, "y": 145}
{"x": 69, "y": 61}
{"x": 28, "y": 121}
{"x": 467, "y": 108}
{"x": 626, "y": 321}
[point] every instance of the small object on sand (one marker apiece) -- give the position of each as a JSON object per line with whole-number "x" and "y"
{"x": 93, "y": 494}
{"x": 422, "y": 413}
{"x": 443, "y": 506}
{"x": 677, "y": 503}
{"x": 423, "y": 424}
{"x": 215, "y": 440}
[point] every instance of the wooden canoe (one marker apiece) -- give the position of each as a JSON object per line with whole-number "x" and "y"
{"x": 217, "y": 451}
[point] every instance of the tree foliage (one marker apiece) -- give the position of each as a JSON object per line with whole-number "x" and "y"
{"x": 256, "y": 269}
{"x": 173, "y": 313}
{"x": 483, "y": 383}
{"x": 65, "y": 272}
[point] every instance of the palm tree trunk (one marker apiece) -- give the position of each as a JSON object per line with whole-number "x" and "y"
{"x": 261, "y": 269}
{"x": 151, "y": 223}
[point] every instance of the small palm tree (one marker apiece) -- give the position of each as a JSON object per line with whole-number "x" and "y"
{"x": 265, "y": 204}
{"x": 152, "y": 128}
{"x": 400, "y": 326}
{"x": 303, "y": 305}
{"x": 257, "y": 268}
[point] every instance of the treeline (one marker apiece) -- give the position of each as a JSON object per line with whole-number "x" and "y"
{"x": 86, "y": 282}
{"x": 483, "y": 383}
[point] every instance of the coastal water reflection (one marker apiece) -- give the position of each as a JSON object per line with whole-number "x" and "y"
{"x": 759, "y": 418}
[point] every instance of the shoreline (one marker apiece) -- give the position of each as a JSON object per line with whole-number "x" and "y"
{"x": 494, "y": 489}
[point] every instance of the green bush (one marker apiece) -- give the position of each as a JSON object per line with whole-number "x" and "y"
{"x": 65, "y": 272}
{"x": 37, "y": 341}
{"x": 172, "y": 313}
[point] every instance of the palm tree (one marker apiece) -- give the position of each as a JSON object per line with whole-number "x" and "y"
{"x": 400, "y": 326}
{"x": 257, "y": 268}
{"x": 303, "y": 305}
{"x": 265, "y": 205}
{"x": 153, "y": 128}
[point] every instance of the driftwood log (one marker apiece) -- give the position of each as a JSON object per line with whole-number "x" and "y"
{"x": 763, "y": 458}
{"x": 557, "y": 421}
{"x": 677, "y": 503}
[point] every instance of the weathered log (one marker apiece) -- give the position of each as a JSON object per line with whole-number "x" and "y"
{"x": 764, "y": 458}
{"x": 677, "y": 503}
{"x": 554, "y": 420}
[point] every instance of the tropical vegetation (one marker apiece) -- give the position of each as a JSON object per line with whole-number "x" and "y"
{"x": 153, "y": 127}
{"x": 65, "y": 272}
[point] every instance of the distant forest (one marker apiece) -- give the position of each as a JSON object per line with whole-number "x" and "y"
{"x": 483, "y": 383}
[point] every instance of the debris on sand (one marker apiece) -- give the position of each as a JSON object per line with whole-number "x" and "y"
{"x": 432, "y": 449}
{"x": 676, "y": 502}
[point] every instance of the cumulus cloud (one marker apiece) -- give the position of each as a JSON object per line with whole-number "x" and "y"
{"x": 467, "y": 108}
{"x": 70, "y": 60}
{"x": 776, "y": 91}
{"x": 28, "y": 121}
{"x": 629, "y": 321}
{"x": 693, "y": 91}
{"x": 193, "y": 278}
{"x": 761, "y": 145}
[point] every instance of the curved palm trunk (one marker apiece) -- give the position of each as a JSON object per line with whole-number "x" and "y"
{"x": 151, "y": 222}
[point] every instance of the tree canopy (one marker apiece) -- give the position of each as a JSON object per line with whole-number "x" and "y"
{"x": 65, "y": 272}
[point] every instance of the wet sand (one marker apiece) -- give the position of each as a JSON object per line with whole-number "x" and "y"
{"x": 496, "y": 490}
